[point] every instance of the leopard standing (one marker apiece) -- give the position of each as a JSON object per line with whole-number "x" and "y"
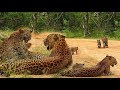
{"x": 105, "y": 42}
{"x": 99, "y": 43}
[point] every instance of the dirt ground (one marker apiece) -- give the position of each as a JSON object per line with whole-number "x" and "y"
{"x": 88, "y": 53}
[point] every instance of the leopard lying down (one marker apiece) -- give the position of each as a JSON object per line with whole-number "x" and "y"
{"x": 103, "y": 67}
{"x": 59, "y": 59}
{"x": 13, "y": 47}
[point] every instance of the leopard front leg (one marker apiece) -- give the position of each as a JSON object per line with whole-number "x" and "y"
{"x": 76, "y": 51}
{"x": 107, "y": 70}
{"x": 103, "y": 44}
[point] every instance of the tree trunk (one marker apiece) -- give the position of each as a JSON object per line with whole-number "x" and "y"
{"x": 86, "y": 24}
{"x": 35, "y": 21}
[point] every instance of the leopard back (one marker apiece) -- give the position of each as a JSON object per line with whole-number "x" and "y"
{"x": 103, "y": 67}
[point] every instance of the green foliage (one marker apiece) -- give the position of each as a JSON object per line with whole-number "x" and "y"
{"x": 13, "y": 20}
{"x": 117, "y": 34}
{"x": 71, "y": 34}
{"x": 41, "y": 49}
{"x": 73, "y": 24}
{"x": 26, "y": 76}
{"x": 4, "y": 34}
{"x": 56, "y": 76}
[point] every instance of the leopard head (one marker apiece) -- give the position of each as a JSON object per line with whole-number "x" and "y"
{"x": 112, "y": 60}
{"x": 51, "y": 39}
{"x": 25, "y": 34}
{"x": 98, "y": 41}
{"x": 28, "y": 45}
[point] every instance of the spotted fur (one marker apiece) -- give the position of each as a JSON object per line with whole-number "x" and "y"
{"x": 103, "y": 67}
{"x": 99, "y": 43}
{"x": 105, "y": 42}
{"x": 59, "y": 59}
{"x": 11, "y": 47}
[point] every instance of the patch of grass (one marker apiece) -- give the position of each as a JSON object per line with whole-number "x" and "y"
{"x": 20, "y": 76}
{"x": 71, "y": 34}
{"x": 41, "y": 49}
{"x": 56, "y": 76}
{"x": 26, "y": 76}
{"x": 6, "y": 32}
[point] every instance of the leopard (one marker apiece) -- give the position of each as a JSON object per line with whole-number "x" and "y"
{"x": 15, "y": 42}
{"x": 99, "y": 43}
{"x": 59, "y": 59}
{"x": 105, "y": 42}
{"x": 50, "y": 45}
{"x": 102, "y": 68}
{"x": 73, "y": 49}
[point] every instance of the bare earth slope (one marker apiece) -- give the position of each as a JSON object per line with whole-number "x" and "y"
{"x": 88, "y": 53}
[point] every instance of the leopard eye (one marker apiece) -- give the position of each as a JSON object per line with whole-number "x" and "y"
{"x": 15, "y": 49}
{"x": 24, "y": 38}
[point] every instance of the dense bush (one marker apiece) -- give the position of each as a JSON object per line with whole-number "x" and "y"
{"x": 73, "y": 24}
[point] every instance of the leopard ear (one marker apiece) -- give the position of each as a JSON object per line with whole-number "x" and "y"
{"x": 62, "y": 36}
{"x": 55, "y": 37}
{"x": 21, "y": 31}
{"x": 31, "y": 31}
{"x": 76, "y": 63}
{"x": 107, "y": 55}
{"x": 28, "y": 45}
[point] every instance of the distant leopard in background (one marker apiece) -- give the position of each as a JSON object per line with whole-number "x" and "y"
{"x": 73, "y": 49}
{"x": 105, "y": 42}
{"x": 103, "y": 67}
{"x": 99, "y": 43}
